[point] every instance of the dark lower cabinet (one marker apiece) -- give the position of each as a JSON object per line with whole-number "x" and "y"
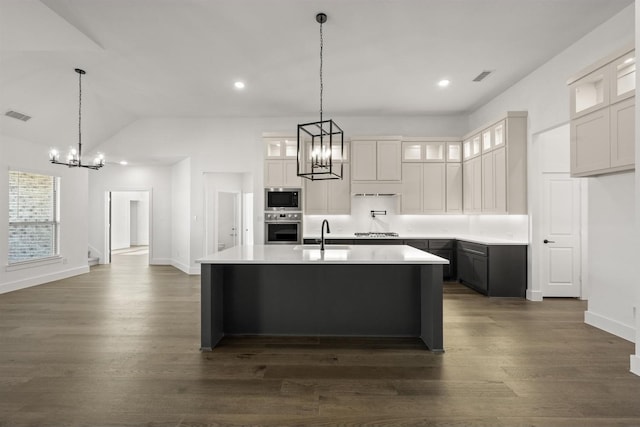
{"x": 493, "y": 270}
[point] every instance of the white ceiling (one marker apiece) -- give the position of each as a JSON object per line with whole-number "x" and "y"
{"x": 179, "y": 58}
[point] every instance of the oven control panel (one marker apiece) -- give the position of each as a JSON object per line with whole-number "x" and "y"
{"x": 282, "y": 216}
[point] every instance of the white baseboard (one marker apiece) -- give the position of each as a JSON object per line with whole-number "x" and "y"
{"x": 534, "y": 295}
{"x": 609, "y": 325}
{"x": 39, "y": 280}
{"x": 635, "y": 364}
{"x": 177, "y": 264}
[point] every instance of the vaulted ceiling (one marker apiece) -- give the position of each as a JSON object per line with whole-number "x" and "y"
{"x": 180, "y": 58}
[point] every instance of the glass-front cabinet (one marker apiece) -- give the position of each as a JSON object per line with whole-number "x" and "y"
{"x": 423, "y": 151}
{"x": 590, "y": 92}
{"x": 624, "y": 77}
{"x": 281, "y": 148}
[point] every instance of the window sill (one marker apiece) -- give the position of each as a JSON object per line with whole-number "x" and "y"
{"x": 34, "y": 263}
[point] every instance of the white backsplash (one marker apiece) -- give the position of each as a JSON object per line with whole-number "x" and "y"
{"x": 511, "y": 227}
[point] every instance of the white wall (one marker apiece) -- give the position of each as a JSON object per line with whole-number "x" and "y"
{"x": 125, "y": 229}
{"x": 154, "y": 179}
{"x": 23, "y": 155}
{"x": 544, "y": 94}
{"x": 181, "y": 215}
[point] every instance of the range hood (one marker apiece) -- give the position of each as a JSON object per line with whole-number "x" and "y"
{"x": 376, "y": 188}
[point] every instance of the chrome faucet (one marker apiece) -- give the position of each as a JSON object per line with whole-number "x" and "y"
{"x": 322, "y": 233}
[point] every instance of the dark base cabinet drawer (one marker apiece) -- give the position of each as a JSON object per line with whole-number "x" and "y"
{"x": 494, "y": 270}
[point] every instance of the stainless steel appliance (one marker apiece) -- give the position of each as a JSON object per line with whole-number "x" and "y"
{"x": 377, "y": 234}
{"x": 282, "y": 228}
{"x": 283, "y": 199}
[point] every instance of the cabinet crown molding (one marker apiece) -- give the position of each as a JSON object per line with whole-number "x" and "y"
{"x": 601, "y": 63}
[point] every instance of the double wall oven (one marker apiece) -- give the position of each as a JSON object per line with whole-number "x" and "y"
{"x": 283, "y": 216}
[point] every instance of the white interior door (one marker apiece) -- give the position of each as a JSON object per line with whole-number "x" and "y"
{"x": 228, "y": 219}
{"x": 560, "y": 231}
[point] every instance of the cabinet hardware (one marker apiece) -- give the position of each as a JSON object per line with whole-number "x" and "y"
{"x": 548, "y": 241}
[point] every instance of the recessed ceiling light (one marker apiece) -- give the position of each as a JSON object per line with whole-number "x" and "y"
{"x": 124, "y": 162}
{"x": 239, "y": 85}
{"x": 444, "y": 83}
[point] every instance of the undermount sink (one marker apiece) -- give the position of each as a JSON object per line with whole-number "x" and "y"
{"x": 317, "y": 247}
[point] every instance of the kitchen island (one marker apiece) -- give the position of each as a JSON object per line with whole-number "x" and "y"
{"x": 359, "y": 290}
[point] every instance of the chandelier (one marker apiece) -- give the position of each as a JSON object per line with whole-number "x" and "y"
{"x": 319, "y": 143}
{"x": 74, "y": 157}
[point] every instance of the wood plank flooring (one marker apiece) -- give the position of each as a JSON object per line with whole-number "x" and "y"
{"x": 120, "y": 347}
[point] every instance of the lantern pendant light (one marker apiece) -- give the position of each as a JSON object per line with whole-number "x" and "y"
{"x": 320, "y": 144}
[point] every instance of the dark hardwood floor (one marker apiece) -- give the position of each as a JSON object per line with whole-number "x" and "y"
{"x": 120, "y": 347}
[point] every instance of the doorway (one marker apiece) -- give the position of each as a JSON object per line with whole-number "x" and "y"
{"x": 228, "y": 210}
{"x": 128, "y": 227}
{"x": 228, "y": 219}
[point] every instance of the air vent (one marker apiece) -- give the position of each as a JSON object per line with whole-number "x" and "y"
{"x": 17, "y": 115}
{"x": 482, "y": 76}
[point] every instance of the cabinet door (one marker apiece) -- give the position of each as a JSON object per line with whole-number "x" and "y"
{"x": 467, "y": 186}
{"x": 590, "y": 93}
{"x": 363, "y": 160}
{"x": 411, "y": 197}
{"x": 623, "y": 77}
{"x": 291, "y": 178}
{"x": 590, "y": 142}
{"x": 454, "y": 151}
{"x": 499, "y": 131}
{"x": 433, "y": 188}
{"x": 388, "y": 161}
{"x": 500, "y": 180}
{"x": 454, "y": 188}
{"x": 339, "y": 193}
{"x": 434, "y": 151}
{"x": 472, "y": 185}
{"x": 412, "y": 151}
{"x": 488, "y": 183}
{"x": 315, "y": 197}
{"x": 622, "y": 116}
{"x": 487, "y": 138}
{"x": 273, "y": 173}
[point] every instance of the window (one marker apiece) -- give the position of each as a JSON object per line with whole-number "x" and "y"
{"x": 33, "y": 216}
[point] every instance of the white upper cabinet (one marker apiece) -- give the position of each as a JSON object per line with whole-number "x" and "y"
{"x": 590, "y": 93}
{"x": 623, "y": 81}
{"x": 454, "y": 151}
{"x": 603, "y": 116}
{"x": 471, "y": 147}
{"x": 281, "y": 148}
{"x": 423, "y": 151}
{"x": 376, "y": 160}
{"x": 495, "y": 182}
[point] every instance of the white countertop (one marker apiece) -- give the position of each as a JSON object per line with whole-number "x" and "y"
{"x": 483, "y": 240}
{"x": 311, "y": 254}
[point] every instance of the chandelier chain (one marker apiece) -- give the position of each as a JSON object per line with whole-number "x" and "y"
{"x": 79, "y": 115}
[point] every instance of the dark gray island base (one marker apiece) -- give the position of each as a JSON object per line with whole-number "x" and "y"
{"x": 388, "y": 300}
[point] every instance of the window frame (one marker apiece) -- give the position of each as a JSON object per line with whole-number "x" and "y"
{"x": 55, "y": 222}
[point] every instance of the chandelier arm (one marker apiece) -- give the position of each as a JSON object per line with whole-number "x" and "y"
{"x": 321, "y": 83}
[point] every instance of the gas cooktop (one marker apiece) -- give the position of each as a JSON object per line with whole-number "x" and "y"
{"x": 377, "y": 234}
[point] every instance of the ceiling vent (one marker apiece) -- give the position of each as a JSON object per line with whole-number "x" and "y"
{"x": 17, "y": 115}
{"x": 482, "y": 76}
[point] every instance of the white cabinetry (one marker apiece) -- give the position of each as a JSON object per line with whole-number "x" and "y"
{"x": 329, "y": 196}
{"x": 602, "y": 100}
{"x": 431, "y": 177}
{"x": 280, "y": 166}
{"x": 376, "y": 160}
{"x": 494, "y": 167}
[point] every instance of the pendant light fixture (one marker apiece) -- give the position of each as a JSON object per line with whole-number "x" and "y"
{"x": 320, "y": 144}
{"x": 74, "y": 157}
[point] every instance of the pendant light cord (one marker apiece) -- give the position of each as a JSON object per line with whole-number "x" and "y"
{"x": 321, "y": 85}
